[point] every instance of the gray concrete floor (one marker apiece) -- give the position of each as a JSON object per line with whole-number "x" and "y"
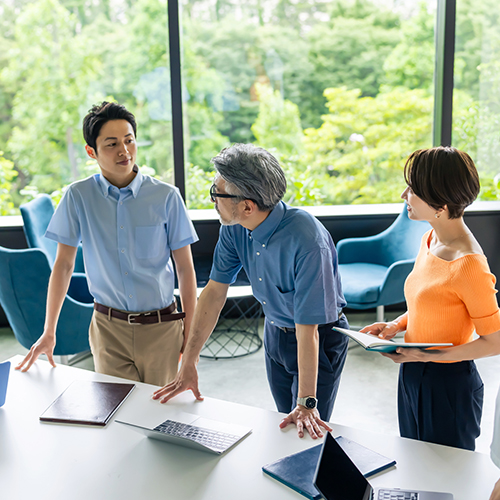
{"x": 367, "y": 393}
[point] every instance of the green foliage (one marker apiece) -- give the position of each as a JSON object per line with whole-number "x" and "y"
{"x": 198, "y": 188}
{"x": 364, "y": 142}
{"x": 411, "y": 62}
{"x": 7, "y": 175}
{"x": 48, "y": 79}
{"x": 252, "y": 72}
{"x": 278, "y": 124}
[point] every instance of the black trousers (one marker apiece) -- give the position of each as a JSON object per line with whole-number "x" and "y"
{"x": 283, "y": 371}
{"x": 441, "y": 403}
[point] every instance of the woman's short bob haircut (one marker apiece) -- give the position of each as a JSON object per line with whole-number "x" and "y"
{"x": 443, "y": 176}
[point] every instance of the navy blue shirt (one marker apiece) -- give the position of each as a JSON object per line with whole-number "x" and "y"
{"x": 291, "y": 262}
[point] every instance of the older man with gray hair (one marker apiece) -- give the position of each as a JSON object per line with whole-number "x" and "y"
{"x": 291, "y": 262}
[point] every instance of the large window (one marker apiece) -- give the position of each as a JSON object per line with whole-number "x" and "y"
{"x": 476, "y": 106}
{"x": 57, "y": 59}
{"x": 340, "y": 90}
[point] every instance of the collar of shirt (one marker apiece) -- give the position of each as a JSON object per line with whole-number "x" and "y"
{"x": 263, "y": 232}
{"x": 106, "y": 186}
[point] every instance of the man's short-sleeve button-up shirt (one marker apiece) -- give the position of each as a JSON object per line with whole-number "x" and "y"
{"x": 291, "y": 262}
{"x": 127, "y": 235}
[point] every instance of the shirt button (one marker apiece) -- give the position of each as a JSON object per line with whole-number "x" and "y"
{"x": 126, "y": 273}
{"x": 121, "y": 227}
{"x": 121, "y": 202}
{"x": 123, "y": 250}
{"x": 258, "y": 253}
{"x": 264, "y": 302}
{"x": 263, "y": 246}
{"x": 260, "y": 279}
{"x": 250, "y": 237}
{"x": 130, "y": 296}
{"x": 272, "y": 322}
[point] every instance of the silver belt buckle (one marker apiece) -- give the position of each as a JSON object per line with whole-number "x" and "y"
{"x": 130, "y": 316}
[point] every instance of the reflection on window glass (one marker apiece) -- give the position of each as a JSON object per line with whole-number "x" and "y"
{"x": 476, "y": 97}
{"x": 57, "y": 59}
{"x": 341, "y": 91}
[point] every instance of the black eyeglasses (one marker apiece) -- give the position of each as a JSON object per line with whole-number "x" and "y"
{"x": 214, "y": 194}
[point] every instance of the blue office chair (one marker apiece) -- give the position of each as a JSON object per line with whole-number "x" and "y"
{"x": 24, "y": 279}
{"x": 36, "y": 217}
{"x": 373, "y": 269}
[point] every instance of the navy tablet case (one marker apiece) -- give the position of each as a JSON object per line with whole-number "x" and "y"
{"x": 297, "y": 471}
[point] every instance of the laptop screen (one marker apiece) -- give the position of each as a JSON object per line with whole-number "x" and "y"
{"x": 337, "y": 478}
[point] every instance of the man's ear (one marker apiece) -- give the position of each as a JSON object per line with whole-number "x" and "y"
{"x": 91, "y": 152}
{"x": 249, "y": 207}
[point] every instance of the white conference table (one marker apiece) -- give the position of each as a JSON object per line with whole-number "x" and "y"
{"x": 51, "y": 461}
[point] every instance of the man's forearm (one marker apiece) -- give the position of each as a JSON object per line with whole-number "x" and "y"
{"x": 187, "y": 291}
{"x": 307, "y": 356}
{"x": 58, "y": 287}
{"x": 205, "y": 318}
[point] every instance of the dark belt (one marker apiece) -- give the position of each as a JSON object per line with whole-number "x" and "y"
{"x": 158, "y": 316}
{"x": 286, "y": 329}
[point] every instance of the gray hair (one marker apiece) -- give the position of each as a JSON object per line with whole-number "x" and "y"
{"x": 252, "y": 173}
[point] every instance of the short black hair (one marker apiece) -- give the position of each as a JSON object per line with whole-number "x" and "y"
{"x": 99, "y": 115}
{"x": 443, "y": 176}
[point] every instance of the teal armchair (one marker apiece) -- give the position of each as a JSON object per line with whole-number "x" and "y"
{"x": 24, "y": 279}
{"x": 36, "y": 217}
{"x": 373, "y": 269}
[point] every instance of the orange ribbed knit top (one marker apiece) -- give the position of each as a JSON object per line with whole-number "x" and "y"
{"x": 447, "y": 301}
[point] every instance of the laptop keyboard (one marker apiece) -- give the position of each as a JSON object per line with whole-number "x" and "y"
{"x": 217, "y": 441}
{"x": 396, "y": 495}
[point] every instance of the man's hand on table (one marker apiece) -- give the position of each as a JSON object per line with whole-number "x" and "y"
{"x": 186, "y": 379}
{"x": 302, "y": 417}
{"x": 44, "y": 345}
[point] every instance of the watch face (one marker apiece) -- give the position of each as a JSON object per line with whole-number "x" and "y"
{"x": 310, "y": 403}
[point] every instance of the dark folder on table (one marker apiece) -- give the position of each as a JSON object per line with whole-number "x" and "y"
{"x": 297, "y": 470}
{"x": 87, "y": 402}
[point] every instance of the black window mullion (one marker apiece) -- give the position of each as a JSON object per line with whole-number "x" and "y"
{"x": 176, "y": 95}
{"x": 443, "y": 73}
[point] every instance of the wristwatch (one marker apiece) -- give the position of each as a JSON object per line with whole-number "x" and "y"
{"x": 309, "y": 402}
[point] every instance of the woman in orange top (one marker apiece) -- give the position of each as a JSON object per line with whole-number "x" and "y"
{"x": 450, "y": 294}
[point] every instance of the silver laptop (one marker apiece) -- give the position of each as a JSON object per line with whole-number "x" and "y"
{"x": 192, "y": 431}
{"x": 337, "y": 478}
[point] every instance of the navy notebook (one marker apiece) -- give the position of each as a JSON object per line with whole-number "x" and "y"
{"x": 297, "y": 470}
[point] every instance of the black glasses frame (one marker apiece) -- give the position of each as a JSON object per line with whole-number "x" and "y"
{"x": 214, "y": 194}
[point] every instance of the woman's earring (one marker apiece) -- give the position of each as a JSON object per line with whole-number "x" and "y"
{"x": 437, "y": 215}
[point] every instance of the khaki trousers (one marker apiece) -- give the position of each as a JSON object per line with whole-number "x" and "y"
{"x": 145, "y": 353}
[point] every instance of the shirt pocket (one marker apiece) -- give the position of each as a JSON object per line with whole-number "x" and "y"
{"x": 149, "y": 241}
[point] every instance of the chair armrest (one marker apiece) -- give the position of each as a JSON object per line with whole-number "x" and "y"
{"x": 392, "y": 289}
{"x": 73, "y": 327}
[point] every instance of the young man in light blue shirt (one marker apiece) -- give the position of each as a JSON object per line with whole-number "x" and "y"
{"x": 129, "y": 225}
{"x": 291, "y": 262}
